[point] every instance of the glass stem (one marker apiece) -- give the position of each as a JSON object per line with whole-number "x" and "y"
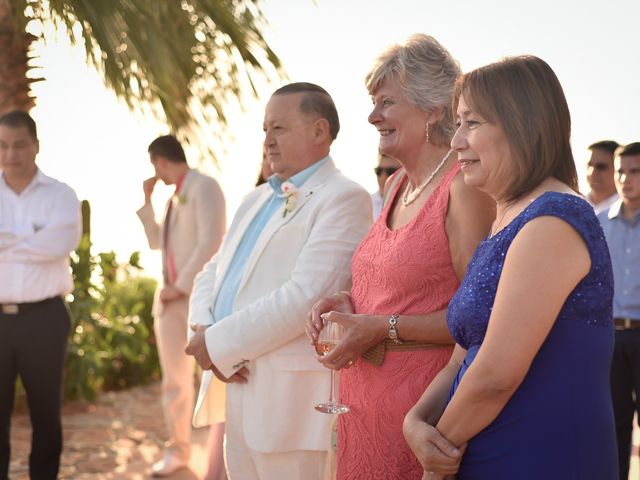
{"x": 332, "y": 391}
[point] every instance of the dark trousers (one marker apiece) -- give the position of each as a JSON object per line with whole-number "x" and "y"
{"x": 33, "y": 345}
{"x": 625, "y": 391}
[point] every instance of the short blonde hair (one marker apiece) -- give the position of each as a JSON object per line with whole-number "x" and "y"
{"x": 426, "y": 73}
{"x": 524, "y": 97}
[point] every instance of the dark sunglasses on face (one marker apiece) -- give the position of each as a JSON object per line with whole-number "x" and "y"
{"x": 387, "y": 170}
{"x": 600, "y": 167}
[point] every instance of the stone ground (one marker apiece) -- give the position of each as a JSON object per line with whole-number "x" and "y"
{"x": 119, "y": 436}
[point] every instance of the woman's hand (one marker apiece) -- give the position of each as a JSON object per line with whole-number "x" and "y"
{"x": 439, "y": 457}
{"x": 338, "y": 302}
{"x": 361, "y": 332}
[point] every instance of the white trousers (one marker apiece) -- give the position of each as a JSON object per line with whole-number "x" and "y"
{"x": 177, "y": 374}
{"x": 244, "y": 463}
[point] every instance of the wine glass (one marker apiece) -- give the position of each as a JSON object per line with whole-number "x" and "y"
{"x": 327, "y": 339}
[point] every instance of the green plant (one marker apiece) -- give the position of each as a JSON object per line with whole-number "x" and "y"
{"x": 182, "y": 61}
{"x": 111, "y": 345}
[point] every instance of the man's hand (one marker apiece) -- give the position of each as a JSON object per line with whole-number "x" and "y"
{"x": 147, "y": 188}
{"x": 169, "y": 294}
{"x": 197, "y": 348}
{"x": 241, "y": 376}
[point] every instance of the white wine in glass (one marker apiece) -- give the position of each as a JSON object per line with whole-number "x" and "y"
{"x": 324, "y": 347}
{"x": 327, "y": 340}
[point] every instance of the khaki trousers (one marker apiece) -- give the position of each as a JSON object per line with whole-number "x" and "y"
{"x": 177, "y": 374}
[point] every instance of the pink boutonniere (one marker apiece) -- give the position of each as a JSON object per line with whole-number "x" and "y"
{"x": 290, "y": 194}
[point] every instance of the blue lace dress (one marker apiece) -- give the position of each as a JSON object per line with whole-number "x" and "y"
{"x": 559, "y": 423}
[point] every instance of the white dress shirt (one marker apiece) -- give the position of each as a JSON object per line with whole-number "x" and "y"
{"x": 604, "y": 205}
{"x": 39, "y": 227}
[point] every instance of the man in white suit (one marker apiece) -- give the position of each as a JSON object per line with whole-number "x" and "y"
{"x": 190, "y": 233}
{"x": 290, "y": 243}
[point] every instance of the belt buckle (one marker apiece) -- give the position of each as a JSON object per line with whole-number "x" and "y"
{"x": 10, "y": 308}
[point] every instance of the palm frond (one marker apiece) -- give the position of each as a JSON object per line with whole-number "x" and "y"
{"x": 192, "y": 58}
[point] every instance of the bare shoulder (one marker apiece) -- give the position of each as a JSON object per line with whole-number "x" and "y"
{"x": 551, "y": 240}
{"x": 469, "y": 202}
{"x": 468, "y": 221}
{"x": 549, "y": 230}
{"x": 461, "y": 192}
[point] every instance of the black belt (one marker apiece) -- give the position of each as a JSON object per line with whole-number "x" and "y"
{"x": 626, "y": 323}
{"x": 18, "y": 308}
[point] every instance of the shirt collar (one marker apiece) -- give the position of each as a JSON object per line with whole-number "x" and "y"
{"x": 42, "y": 178}
{"x": 616, "y": 211}
{"x": 38, "y": 178}
{"x": 610, "y": 199}
{"x": 299, "y": 178}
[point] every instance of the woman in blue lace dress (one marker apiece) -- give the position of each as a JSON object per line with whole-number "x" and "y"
{"x": 526, "y": 394}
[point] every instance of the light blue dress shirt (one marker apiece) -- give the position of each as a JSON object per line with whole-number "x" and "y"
{"x": 229, "y": 287}
{"x": 623, "y": 238}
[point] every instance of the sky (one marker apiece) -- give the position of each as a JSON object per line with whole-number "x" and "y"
{"x": 93, "y": 142}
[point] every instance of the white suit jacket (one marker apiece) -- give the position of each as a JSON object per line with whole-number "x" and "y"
{"x": 296, "y": 260}
{"x": 196, "y": 226}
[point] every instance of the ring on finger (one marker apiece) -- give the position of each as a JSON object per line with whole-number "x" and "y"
{"x": 350, "y": 363}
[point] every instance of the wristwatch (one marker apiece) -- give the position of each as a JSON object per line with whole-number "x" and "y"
{"x": 393, "y": 333}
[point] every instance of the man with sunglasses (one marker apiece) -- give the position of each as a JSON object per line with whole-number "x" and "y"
{"x": 385, "y": 168}
{"x": 600, "y": 175}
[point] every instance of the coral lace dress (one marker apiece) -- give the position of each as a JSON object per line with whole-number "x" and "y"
{"x": 406, "y": 271}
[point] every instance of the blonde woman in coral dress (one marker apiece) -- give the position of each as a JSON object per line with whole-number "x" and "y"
{"x": 407, "y": 268}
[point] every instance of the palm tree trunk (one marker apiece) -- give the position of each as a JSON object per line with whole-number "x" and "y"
{"x": 14, "y": 57}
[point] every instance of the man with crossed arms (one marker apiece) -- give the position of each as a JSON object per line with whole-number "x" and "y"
{"x": 290, "y": 243}
{"x": 39, "y": 226}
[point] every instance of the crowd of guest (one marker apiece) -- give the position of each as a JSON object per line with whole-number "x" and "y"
{"x": 485, "y": 315}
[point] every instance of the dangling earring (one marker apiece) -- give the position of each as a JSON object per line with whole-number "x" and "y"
{"x": 426, "y": 133}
